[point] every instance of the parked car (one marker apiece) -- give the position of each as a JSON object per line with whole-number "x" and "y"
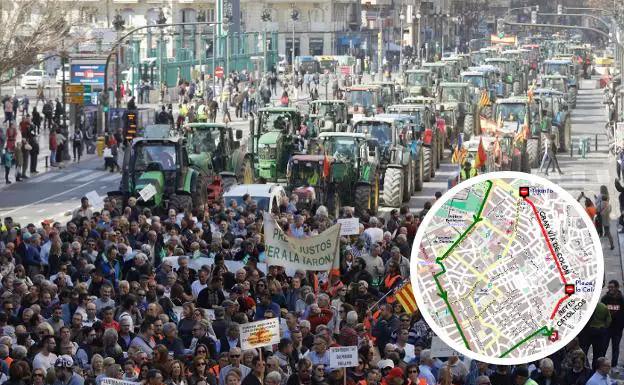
{"x": 59, "y": 75}
{"x": 33, "y": 78}
{"x": 282, "y": 65}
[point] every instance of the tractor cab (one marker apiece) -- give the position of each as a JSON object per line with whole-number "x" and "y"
{"x": 366, "y": 100}
{"x": 558, "y": 67}
{"x": 418, "y": 82}
{"x": 555, "y": 82}
{"x": 328, "y": 115}
{"x": 505, "y": 66}
{"x": 440, "y": 71}
{"x": 512, "y": 111}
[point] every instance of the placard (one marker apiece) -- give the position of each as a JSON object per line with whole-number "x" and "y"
{"x": 95, "y": 200}
{"x": 114, "y": 381}
{"x": 259, "y": 334}
{"x": 349, "y": 226}
{"x": 440, "y": 349}
{"x": 343, "y": 357}
{"x": 147, "y": 192}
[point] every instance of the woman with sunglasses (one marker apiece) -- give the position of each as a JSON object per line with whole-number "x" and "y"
{"x": 318, "y": 374}
{"x": 199, "y": 372}
{"x": 359, "y": 372}
{"x": 413, "y": 374}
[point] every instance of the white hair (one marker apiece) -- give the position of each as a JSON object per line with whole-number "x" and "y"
{"x": 274, "y": 376}
{"x": 547, "y": 363}
{"x": 321, "y": 211}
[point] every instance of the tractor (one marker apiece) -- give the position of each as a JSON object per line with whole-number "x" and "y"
{"x": 511, "y": 115}
{"x": 274, "y": 136}
{"x": 509, "y": 73}
{"x": 456, "y": 96}
{"x": 559, "y": 83}
{"x": 398, "y": 163}
{"x": 418, "y": 83}
{"x": 158, "y": 162}
{"x": 567, "y": 69}
{"x": 353, "y": 175}
{"x": 554, "y": 115}
{"x": 428, "y": 142}
{"x": 365, "y": 100}
{"x": 328, "y": 115}
{"x": 215, "y": 149}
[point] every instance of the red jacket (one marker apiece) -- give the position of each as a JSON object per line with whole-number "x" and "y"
{"x": 320, "y": 319}
{"x": 53, "y": 144}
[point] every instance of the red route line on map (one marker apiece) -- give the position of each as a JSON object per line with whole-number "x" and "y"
{"x": 557, "y": 307}
{"x": 552, "y": 252}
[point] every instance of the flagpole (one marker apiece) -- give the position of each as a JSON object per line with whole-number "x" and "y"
{"x": 459, "y": 160}
{"x": 380, "y": 299}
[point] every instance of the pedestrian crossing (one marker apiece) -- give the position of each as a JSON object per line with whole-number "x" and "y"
{"x": 78, "y": 176}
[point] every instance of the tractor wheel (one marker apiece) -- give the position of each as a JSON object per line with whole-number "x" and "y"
{"x": 565, "y": 136}
{"x": 533, "y": 152}
{"x": 333, "y": 205}
{"x": 181, "y": 203}
{"x": 247, "y": 173}
{"x": 419, "y": 171}
{"x": 468, "y": 127}
{"x": 426, "y": 177}
{"x": 408, "y": 177}
{"x": 525, "y": 166}
{"x": 227, "y": 182}
{"x": 200, "y": 192}
{"x": 517, "y": 89}
{"x": 393, "y": 187}
{"x": 363, "y": 197}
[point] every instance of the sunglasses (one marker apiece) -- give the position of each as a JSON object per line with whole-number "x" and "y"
{"x": 413, "y": 371}
{"x": 235, "y": 356}
{"x": 201, "y": 364}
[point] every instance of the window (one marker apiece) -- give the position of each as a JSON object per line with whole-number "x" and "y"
{"x": 188, "y": 15}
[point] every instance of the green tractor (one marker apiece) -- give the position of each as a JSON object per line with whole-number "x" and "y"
{"x": 554, "y": 115}
{"x": 509, "y": 74}
{"x": 457, "y": 96}
{"x": 157, "y": 171}
{"x": 399, "y": 165}
{"x": 328, "y": 115}
{"x": 215, "y": 149}
{"x": 511, "y": 114}
{"x": 353, "y": 178}
{"x": 273, "y": 137}
{"x": 418, "y": 83}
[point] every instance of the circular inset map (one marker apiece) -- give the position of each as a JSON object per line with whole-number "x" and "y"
{"x": 507, "y": 268}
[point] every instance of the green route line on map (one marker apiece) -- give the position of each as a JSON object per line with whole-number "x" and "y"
{"x": 441, "y": 292}
{"x": 545, "y": 331}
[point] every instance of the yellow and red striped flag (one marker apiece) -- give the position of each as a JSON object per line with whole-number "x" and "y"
{"x": 405, "y": 296}
{"x": 484, "y": 100}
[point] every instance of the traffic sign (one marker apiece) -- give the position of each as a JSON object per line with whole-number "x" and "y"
{"x": 74, "y": 88}
{"x": 75, "y": 99}
{"x": 219, "y": 72}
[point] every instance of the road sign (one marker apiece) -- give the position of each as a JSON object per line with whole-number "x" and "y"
{"x": 219, "y": 72}
{"x": 74, "y": 88}
{"x": 74, "y": 99}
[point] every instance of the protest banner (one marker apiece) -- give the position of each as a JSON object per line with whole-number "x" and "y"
{"x": 95, "y": 200}
{"x": 316, "y": 253}
{"x": 114, "y": 381}
{"x": 259, "y": 334}
{"x": 349, "y": 226}
{"x": 343, "y": 357}
{"x": 440, "y": 349}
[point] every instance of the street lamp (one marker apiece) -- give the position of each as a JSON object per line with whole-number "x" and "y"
{"x": 118, "y": 25}
{"x": 401, "y": 18}
{"x": 294, "y": 15}
{"x": 418, "y": 17}
{"x": 161, "y": 20}
{"x": 266, "y": 18}
{"x": 455, "y": 21}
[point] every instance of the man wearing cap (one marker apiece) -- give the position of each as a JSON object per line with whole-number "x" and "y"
{"x": 394, "y": 377}
{"x": 84, "y": 211}
{"x": 64, "y": 372}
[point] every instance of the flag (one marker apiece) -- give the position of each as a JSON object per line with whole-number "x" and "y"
{"x": 497, "y": 148}
{"x": 325, "y": 166}
{"x": 458, "y": 148}
{"x": 499, "y": 123}
{"x": 523, "y": 132}
{"x": 487, "y": 125}
{"x": 481, "y": 156}
{"x": 405, "y": 295}
{"x": 485, "y": 99}
{"x": 531, "y": 92}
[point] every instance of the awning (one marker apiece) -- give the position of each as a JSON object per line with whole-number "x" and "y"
{"x": 344, "y": 40}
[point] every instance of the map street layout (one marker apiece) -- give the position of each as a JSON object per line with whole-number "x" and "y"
{"x": 508, "y": 268}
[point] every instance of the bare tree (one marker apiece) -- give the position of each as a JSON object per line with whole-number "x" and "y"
{"x": 30, "y": 28}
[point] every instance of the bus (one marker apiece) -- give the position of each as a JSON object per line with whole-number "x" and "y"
{"x": 327, "y": 63}
{"x": 307, "y": 64}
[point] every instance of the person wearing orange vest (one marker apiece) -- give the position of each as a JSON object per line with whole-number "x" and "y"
{"x": 372, "y": 378}
{"x": 392, "y": 281}
{"x": 413, "y": 376}
{"x": 333, "y": 286}
{"x": 223, "y": 362}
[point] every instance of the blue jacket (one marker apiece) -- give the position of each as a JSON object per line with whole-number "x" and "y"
{"x": 32, "y": 255}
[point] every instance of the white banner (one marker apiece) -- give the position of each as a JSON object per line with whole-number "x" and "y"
{"x": 95, "y": 200}
{"x": 114, "y": 381}
{"x": 317, "y": 253}
{"x": 343, "y": 357}
{"x": 259, "y": 334}
{"x": 349, "y": 226}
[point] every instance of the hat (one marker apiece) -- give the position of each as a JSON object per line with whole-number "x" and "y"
{"x": 89, "y": 268}
{"x": 44, "y": 223}
{"x": 385, "y": 364}
{"x": 64, "y": 361}
{"x": 394, "y": 373}
{"x": 27, "y": 236}
{"x": 363, "y": 283}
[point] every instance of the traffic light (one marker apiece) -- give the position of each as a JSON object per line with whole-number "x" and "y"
{"x": 209, "y": 49}
{"x": 533, "y": 17}
{"x": 559, "y": 9}
{"x": 104, "y": 100}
